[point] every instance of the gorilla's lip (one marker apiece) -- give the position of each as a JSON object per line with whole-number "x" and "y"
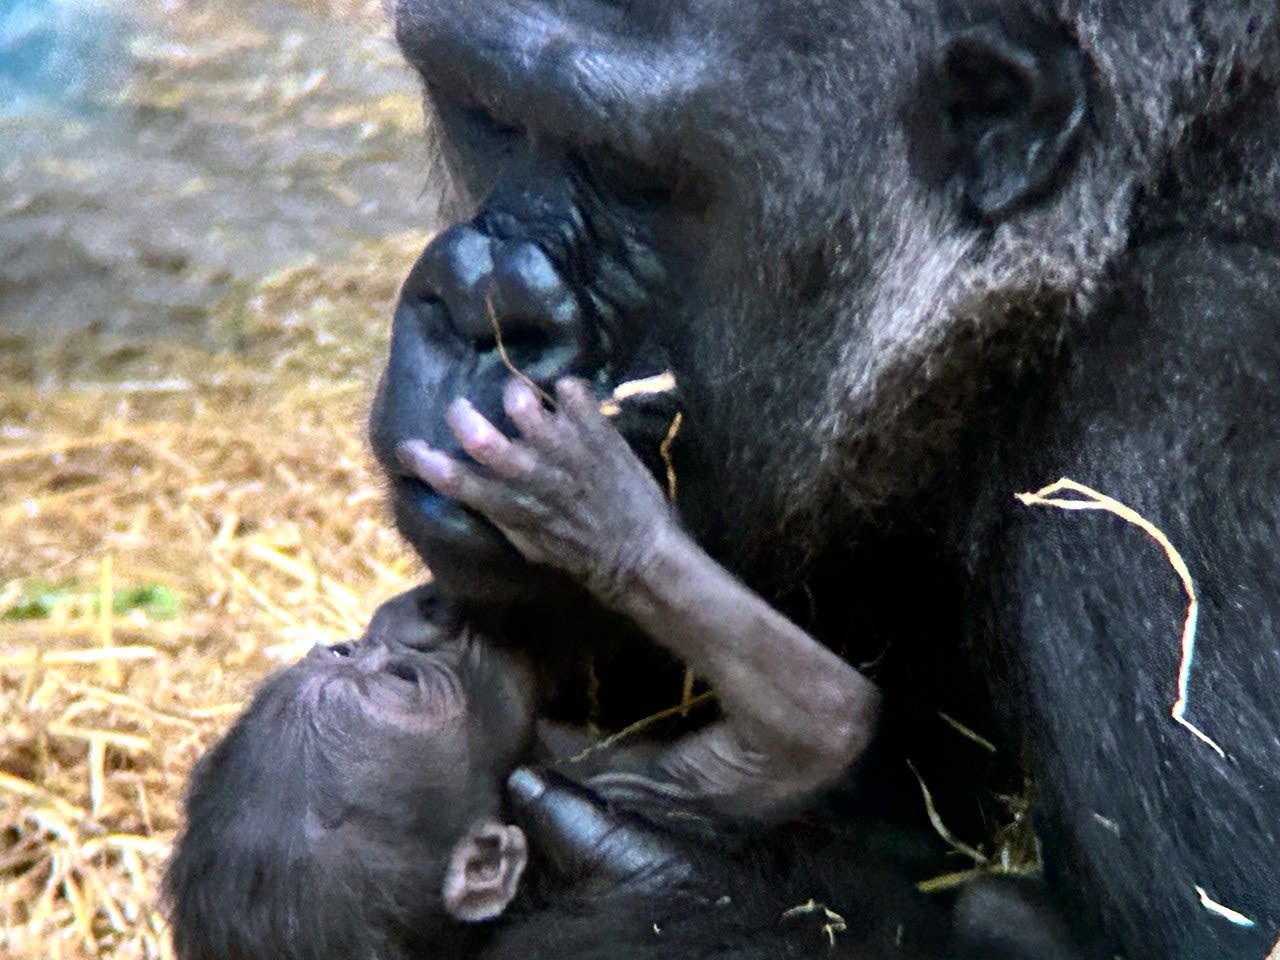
{"x": 467, "y": 555}
{"x": 448, "y": 518}
{"x": 451, "y": 526}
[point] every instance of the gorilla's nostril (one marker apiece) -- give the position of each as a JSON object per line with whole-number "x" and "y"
{"x": 523, "y": 300}
{"x": 523, "y": 339}
{"x": 454, "y": 269}
{"x": 502, "y": 289}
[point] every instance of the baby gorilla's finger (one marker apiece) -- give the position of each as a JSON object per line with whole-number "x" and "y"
{"x": 458, "y": 481}
{"x": 485, "y": 443}
{"x": 434, "y": 467}
{"x": 576, "y": 399}
{"x": 526, "y": 411}
{"x": 582, "y": 838}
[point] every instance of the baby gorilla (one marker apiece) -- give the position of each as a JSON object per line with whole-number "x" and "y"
{"x": 356, "y": 809}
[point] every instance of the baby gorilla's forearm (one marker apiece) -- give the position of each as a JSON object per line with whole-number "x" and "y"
{"x": 570, "y": 493}
{"x": 795, "y": 714}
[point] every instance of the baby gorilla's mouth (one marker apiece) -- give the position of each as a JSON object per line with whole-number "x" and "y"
{"x": 427, "y": 687}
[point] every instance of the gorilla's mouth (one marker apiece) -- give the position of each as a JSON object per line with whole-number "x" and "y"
{"x": 449, "y": 536}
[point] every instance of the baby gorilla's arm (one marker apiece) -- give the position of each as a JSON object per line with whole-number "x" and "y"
{"x": 570, "y": 493}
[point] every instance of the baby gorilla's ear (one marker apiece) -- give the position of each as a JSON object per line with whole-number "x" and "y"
{"x": 484, "y": 871}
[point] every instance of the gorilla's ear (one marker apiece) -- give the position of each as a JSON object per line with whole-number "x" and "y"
{"x": 1014, "y": 99}
{"x": 484, "y": 871}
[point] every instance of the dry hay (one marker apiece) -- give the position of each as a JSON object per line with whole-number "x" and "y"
{"x": 245, "y": 495}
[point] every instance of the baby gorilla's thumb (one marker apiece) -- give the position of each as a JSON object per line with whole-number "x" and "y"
{"x": 578, "y": 837}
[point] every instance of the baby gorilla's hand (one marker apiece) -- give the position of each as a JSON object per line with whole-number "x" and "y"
{"x": 581, "y": 839}
{"x": 567, "y": 492}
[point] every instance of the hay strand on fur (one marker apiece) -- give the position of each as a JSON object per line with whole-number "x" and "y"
{"x": 506, "y": 358}
{"x": 935, "y": 820}
{"x": 657, "y": 384}
{"x": 965, "y": 732}
{"x": 1234, "y": 917}
{"x": 1047, "y": 497}
{"x": 643, "y": 724}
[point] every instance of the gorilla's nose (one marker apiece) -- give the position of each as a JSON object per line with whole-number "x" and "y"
{"x": 479, "y": 300}
{"x": 505, "y": 297}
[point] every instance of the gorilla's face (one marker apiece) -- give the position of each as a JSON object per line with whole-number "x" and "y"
{"x": 422, "y": 706}
{"x": 654, "y": 186}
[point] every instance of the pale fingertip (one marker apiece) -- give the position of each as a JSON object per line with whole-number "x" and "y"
{"x": 427, "y": 463}
{"x": 524, "y": 406}
{"x": 518, "y": 398}
{"x": 477, "y": 435}
{"x": 467, "y": 417}
{"x": 409, "y": 451}
{"x": 526, "y": 785}
{"x": 460, "y": 406}
{"x": 574, "y": 393}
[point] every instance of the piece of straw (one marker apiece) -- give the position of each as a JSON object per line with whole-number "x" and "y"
{"x": 1046, "y": 497}
{"x": 934, "y": 818}
{"x": 659, "y": 383}
{"x": 1222, "y": 910}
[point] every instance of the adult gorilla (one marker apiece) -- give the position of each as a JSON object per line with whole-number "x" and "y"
{"x": 906, "y": 259}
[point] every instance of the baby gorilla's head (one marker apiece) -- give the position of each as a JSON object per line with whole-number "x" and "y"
{"x": 353, "y": 809}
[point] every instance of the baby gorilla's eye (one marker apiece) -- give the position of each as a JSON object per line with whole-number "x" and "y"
{"x": 342, "y": 649}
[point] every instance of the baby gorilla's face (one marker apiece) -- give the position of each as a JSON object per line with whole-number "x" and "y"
{"x": 429, "y": 702}
{"x": 355, "y": 804}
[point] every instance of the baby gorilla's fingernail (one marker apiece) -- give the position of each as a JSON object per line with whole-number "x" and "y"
{"x": 519, "y": 397}
{"x": 428, "y": 464}
{"x": 468, "y": 423}
{"x": 574, "y": 392}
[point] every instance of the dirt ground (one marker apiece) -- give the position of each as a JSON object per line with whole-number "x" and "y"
{"x": 200, "y": 254}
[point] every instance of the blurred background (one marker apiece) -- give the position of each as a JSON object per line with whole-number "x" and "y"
{"x": 205, "y": 212}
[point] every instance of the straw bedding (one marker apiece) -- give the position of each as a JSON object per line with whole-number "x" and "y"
{"x": 227, "y": 509}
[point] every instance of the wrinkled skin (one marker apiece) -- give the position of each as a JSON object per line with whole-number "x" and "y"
{"x": 905, "y": 260}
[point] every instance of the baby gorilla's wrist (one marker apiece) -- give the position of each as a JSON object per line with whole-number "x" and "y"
{"x": 644, "y": 568}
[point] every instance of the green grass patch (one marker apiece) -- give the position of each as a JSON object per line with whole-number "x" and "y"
{"x": 42, "y": 599}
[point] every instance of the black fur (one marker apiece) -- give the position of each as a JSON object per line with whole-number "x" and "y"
{"x": 755, "y": 898}
{"x": 907, "y": 259}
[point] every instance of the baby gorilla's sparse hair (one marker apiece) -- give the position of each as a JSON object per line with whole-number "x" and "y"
{"x": 311, "y": 834}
